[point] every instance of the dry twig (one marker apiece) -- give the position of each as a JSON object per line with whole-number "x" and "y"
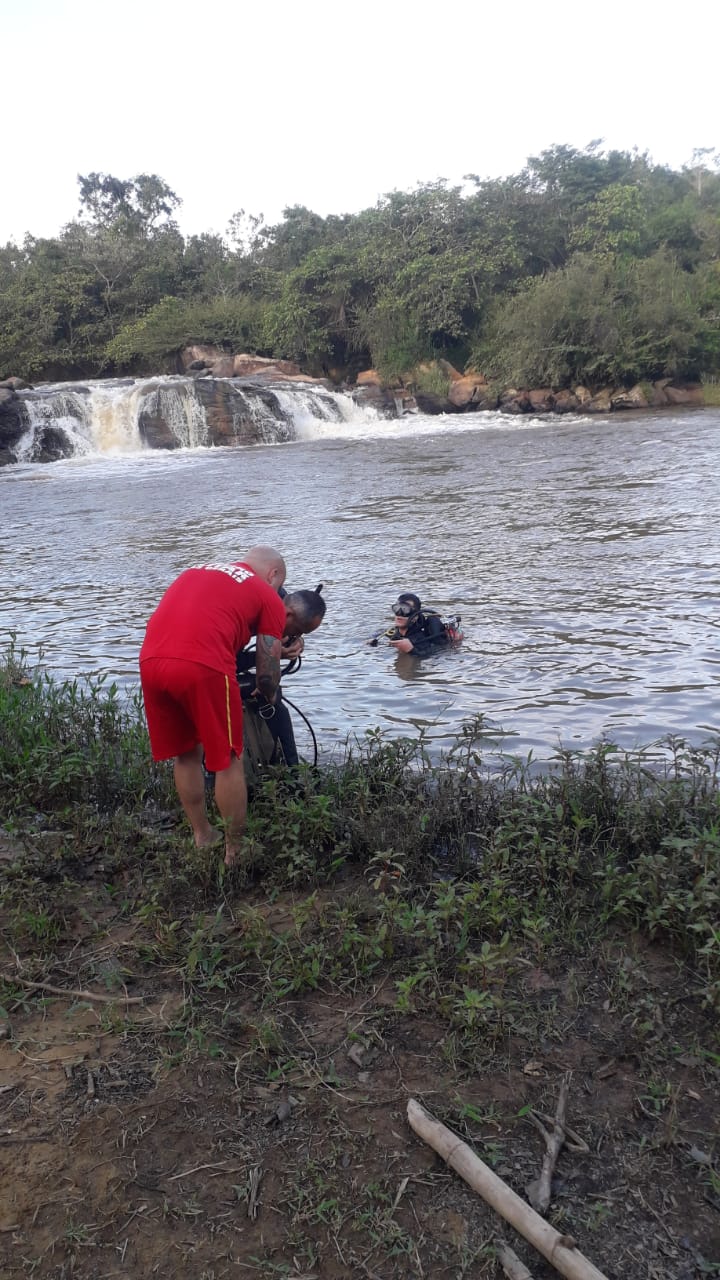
{"x": 196, "y": 1169}
{"x": 573, "y": 1141}
{"x": 254, "y": 1179}
{"x": 69, "y": 993}
{"x": 539, "y": 1191}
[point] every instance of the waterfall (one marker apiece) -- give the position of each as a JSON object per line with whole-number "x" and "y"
{"x": 176, "y": 409}
{"x": 113, "y": 410}
{"x": 266, "y": 415}
{"x": 57, "y": 415}
{"x": 304, "y": 407}
{"x": 120, "y": 416}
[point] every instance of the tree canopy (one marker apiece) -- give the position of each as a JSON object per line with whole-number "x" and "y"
{"x": 586, "y": 266}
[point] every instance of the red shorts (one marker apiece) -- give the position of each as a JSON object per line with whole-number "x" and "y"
{"x": 186, "y": 703}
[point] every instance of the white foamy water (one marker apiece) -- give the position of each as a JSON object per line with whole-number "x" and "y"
{"x": 105, "y": 416}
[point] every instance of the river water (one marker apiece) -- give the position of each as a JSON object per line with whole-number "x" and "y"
{"x": 583, "y": 556}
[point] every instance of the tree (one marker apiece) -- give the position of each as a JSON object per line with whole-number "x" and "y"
{"x": 120, "y": 237}
{"x": 612, "y": 223}
{"x": 703, "y": 168}
{"x": 173, "y": 323}
{"x": 139, "y": 202}
{"x": 599, "y": 320}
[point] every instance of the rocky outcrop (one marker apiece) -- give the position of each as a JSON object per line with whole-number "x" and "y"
{"x": 15, "y": 384}
{"x": 635, "y": 398}
{"x": 229, "y": 411}
{"x": 566, "y": 402}
{"x": 224, "y": 367}
{"x": 49, "y": 443}
{"x": 13, "y": 424}
{"x": 469, "y": 392}
{"x": 201, "y": 355}
{"x": 154, "y": 427}
{"x": 203, "y": 360}
{"x": 387, "y": 403}
{"x": 514, "y": 401}
{"x": 692, "y": 395}
{"x": 431, "y": 403}
{"x": 232, "y": 414}
{"x": 421, "y": 388}
{"x": 245, "y": 366}
{"x": 600, "y": 402}
{"x": 542, "y": 400}
{"x": 368, "y": 378}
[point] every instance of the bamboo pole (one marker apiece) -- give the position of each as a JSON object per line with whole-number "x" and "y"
{"x": 512, "y": 1266}
{"x": 558, "y": 1249}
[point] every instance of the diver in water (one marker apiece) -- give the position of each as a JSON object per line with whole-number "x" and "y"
{"x": 417, "y": 632}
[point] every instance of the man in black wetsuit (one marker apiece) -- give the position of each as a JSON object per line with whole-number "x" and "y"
{"x": 304, "y": 611}
{"x": 416, "y": 633}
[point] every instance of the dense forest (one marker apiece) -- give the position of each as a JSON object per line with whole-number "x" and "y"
{"x": 588, "y": 266}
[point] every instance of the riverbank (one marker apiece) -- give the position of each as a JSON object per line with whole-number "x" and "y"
{"x": 201, "y": 1072}
{"x": 439, "y": 388}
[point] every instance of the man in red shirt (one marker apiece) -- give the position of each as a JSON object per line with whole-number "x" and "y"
{"x": 191, "y": 694}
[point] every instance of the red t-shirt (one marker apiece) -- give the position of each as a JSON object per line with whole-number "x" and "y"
{"x": 208, "y": 615}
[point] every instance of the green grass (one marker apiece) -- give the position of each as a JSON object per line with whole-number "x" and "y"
{"x": 452, "y": 873}
{"x": 711, "y": 393}
{"x": 431, "y": 379}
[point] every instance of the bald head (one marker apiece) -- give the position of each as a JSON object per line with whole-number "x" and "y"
{"x": 268, "y": 564}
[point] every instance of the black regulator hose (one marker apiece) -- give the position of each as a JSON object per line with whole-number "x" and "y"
{"x": 307, "y": 722}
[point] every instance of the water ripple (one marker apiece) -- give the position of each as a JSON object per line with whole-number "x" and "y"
{"x": 584, "y": 557}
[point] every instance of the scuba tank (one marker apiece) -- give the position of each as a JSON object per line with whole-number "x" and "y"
{"x": 453, "y": 629}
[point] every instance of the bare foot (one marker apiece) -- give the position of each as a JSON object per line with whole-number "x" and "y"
{"x": 207, "y": 838}
{"x": 230, "y": 857}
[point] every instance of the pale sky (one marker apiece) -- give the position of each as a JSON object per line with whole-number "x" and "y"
{"x": 330, "y": 104}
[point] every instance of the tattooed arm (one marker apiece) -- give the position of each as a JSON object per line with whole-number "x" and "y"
{"x": 268, "y": 666}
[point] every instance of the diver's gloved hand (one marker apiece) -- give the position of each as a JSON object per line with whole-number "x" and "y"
{"x": 390, "y": 634}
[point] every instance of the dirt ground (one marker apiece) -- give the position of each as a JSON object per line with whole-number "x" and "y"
{"x": 135, "y": 1144}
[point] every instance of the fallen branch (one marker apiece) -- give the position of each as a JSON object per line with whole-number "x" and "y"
{"x": 196, "y": 1169}
{"x": 512, "y": 1266}
{"x": 8, "y": 1136}
{"x": 69, "y": 993}
{"x": 573, "y": 1141}
{"x": 558, "y": 1249}
{"x": 539, "y": 1191}
{"x": 254, "y": 1179}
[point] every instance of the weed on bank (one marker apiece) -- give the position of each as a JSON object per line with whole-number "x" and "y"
{"x": 448, "y": 875}
{"x": 240, "y": 1045}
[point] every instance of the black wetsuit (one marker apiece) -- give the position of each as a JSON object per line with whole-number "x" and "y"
{"x": 279, "y": 723}
{"x": 427, "y": 634}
